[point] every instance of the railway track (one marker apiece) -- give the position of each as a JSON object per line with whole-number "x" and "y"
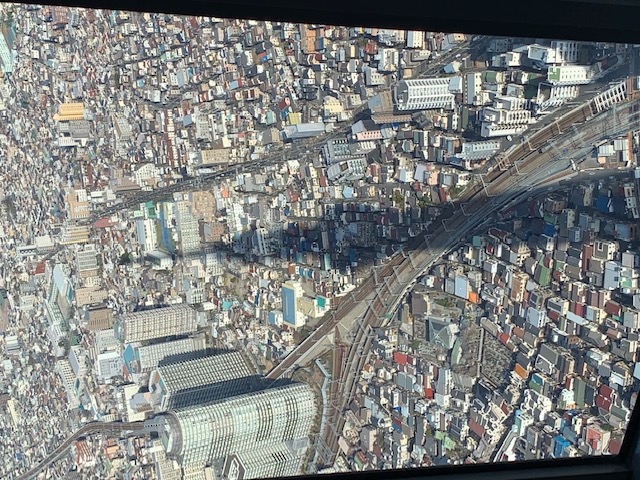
{"x": 501, "y": 181}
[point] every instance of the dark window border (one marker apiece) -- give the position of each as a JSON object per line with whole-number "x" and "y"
{"x": 601, "y": 20}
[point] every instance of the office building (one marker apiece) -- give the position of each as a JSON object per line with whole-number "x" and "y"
{"x": 475, "y": 151}
{"x": 90, "y": 296}
{"x": 87, "y": 261}
{"x": 146, "y": 234}
{"x": 7, "y": 51}
{"x": 188, "y": 230}
{"x": 569, "y": 75}
{"x": 423, "y": 94}
{"x": 346, "y": 171}
{"x": 156, "y": 323}
{"x": 273, "y": 461}
{"x": 62, "y": 292}
{"x": 108, "y": 365}
{"x": 159, "y": 260}
{"x": 262, "y": 243}
{"x": 98, "y": 319}
{"x": 291, "y": 292}
{"x": 69, "y": 111}
{"x": 142, "y": 359}
{"x": 278, "y": 418}
{"x": 304, "y": 130}
{"x": 415, "y": 39}
{"x": 199, "y": 380}
{"x": 75, "y": 234}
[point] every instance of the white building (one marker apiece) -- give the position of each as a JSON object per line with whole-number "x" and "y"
{"x": 214, "y": 264}
{"x": 279, "y": 418}
{"x": 64, "y": 369}
{"x": 388, "y": 59}
{"x": 146, "y": 234}
{"x": 143, "y": 173}
{"x": 7, "y": 54}
{"x": 108, "y": 365}
{"x": 495, "y": 115}
{"x": 499, "y": 122}
{"x": 541, "y": 54}
{"x": 87, "y": 259}
{"x": 263, "y": 243}
{"x": 558, "y": 96}
{"x": 569, "y": 75}
{"x": 372, "y": 77}
{"x": 566, "y": 51}
{"x": 188, "y": 229}
{"x": 156, "y": 323}
{"x": 291, "y": 293}
{"x": 473, "y": 86}
{"x": 507, "y": 60}
{"x": 304, "y": 130}
{"x": 475, "y": 151}
{"x": 199, "y": 380}
{"x": 348, "y": 170}
{"x": 160, "y": 260}
{"x": 415, "y": 39}
{"x": 77, "y": 359}
{"x": 423, "y": 94}
{"x": 559, "y": 52}
{"x": 147, "y": 357}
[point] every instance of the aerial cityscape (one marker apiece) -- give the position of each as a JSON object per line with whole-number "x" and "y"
{"x": 237, "y": 249}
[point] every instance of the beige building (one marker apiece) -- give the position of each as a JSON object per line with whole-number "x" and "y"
{"x": 90, "y": 296}
{"x": 69, "y": 111}
{"x": 215, "y": 156}
{"x": 75, "y": 234}
{"x": 77, "y": 209}
{"x": 99, "y": 319}
{"x": 156, "y": 323}
{"x": 203, "y": 206}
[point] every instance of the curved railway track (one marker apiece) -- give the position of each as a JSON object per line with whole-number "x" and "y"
{"x": 499, "y": 181}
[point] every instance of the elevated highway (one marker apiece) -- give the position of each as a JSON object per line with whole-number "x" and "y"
{"x": 279, "y": 157}
{"x": 88, "y": 429}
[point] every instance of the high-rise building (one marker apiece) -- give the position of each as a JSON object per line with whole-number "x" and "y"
{"x": 87, "y": 261}
{"x": 188, "y": 230}
{"x": 274, "y": 423}
{"x": 142, "y": 359}
{"x": 423, "y": 94}
{"x": 291, "y": 292}
{"x": 415, "y": 39}
{"x": 7, "y": 51}
{"x": 274, "y": 461}
{"x": 199, "y": 380}
{"x": 69, "y": 112}
{"x": 75, "y": 234}
{"x": 108, "y": 365}
{"x": 156, "y": 323}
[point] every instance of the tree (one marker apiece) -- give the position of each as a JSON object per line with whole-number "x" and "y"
{"x": 125, "y": 258}
{"x": 64, "y": 344}
{"x": 398, "y": 198}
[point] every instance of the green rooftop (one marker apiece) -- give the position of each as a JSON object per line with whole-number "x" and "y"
{"x": 553, "y": 74}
